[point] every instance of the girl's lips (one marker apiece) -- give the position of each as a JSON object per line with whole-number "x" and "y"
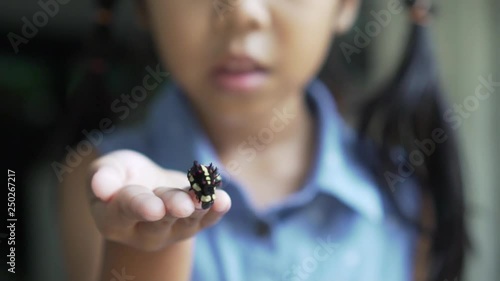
{"x": 240, "y": 74}
{"x": 246, "y": 81}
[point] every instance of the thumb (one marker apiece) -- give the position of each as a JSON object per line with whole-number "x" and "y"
{"x": 106, "y": 181}
{"x": 121, "y": 168}
{"x": 107, "y": 176}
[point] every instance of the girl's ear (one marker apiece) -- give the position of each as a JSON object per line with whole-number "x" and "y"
{"x": 141, "y": 13}
{"x": 346, "y": 16}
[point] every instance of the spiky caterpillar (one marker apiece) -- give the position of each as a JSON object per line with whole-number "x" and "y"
{"x": 204, "y": 181}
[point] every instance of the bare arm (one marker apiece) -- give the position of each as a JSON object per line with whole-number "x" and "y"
{"x": 122, "y": 262}
{"x": 146, "y": 219}
{"x": 81, "y": 240}
{"x": 85, "y": 250}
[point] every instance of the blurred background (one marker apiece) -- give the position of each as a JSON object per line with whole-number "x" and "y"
{"x": 44, "y": 109}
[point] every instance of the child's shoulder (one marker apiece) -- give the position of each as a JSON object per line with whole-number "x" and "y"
{"x": 360, "y": 163}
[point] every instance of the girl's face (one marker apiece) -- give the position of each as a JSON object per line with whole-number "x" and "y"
{"x": 236, "y": 59}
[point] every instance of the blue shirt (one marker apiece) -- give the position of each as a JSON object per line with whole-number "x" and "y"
{"x": 339, "y": 226}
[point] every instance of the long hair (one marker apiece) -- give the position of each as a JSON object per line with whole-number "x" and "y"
{"x": 407, "y": 110}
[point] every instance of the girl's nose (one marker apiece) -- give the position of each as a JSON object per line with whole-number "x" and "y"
{"x": 245, "y": 15}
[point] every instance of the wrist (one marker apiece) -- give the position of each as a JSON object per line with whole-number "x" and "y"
{"x": 172, "y": 262}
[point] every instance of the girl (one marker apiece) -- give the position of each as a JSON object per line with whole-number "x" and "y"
{"x": 304, "y": 196}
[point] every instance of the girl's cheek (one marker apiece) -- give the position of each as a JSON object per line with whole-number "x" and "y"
{"x": 187, "y": 36}
{"x": 180, "y": 31}
{"x": 303, "y": 43}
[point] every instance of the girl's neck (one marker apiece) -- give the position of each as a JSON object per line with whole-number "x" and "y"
{"x": 272, "y": 154}
{"x": 287, "y": 121}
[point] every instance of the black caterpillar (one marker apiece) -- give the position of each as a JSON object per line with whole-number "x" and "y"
{"x": 204, "y": 181}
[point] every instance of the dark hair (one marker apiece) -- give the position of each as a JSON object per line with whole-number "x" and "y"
{"x": 408, "y": 107}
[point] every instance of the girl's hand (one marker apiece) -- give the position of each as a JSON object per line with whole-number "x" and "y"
{"x": 137, "y": 203}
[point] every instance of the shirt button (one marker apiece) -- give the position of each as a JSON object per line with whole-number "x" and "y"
{"x": 262, "y": 229}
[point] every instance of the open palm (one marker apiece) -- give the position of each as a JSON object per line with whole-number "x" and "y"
{"x": 137, "y": 203}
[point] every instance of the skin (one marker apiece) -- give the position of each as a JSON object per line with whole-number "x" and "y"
{"x": 143, "y": 212}
{"x": 291, "y": 38}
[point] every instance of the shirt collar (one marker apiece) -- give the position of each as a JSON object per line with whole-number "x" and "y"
{"x": 335, "y": 172}
{"x": 338, "y": 172}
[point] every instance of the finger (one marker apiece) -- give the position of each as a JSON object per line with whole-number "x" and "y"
{"x": 197, "y": 203}
{"x": 130, "y": 205}
{"x": 106, "y": 181}
{"x": 123, "y": 167}
{"x": 199, "y": 212}
{"x": 177, "y": 202}
{"x": 222, "y": 203}
{"x": 137, "y": 203}
{"x": 221, "y": 206}
{"x": 107, "y": 177}
{"x": 205, "y": 217}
